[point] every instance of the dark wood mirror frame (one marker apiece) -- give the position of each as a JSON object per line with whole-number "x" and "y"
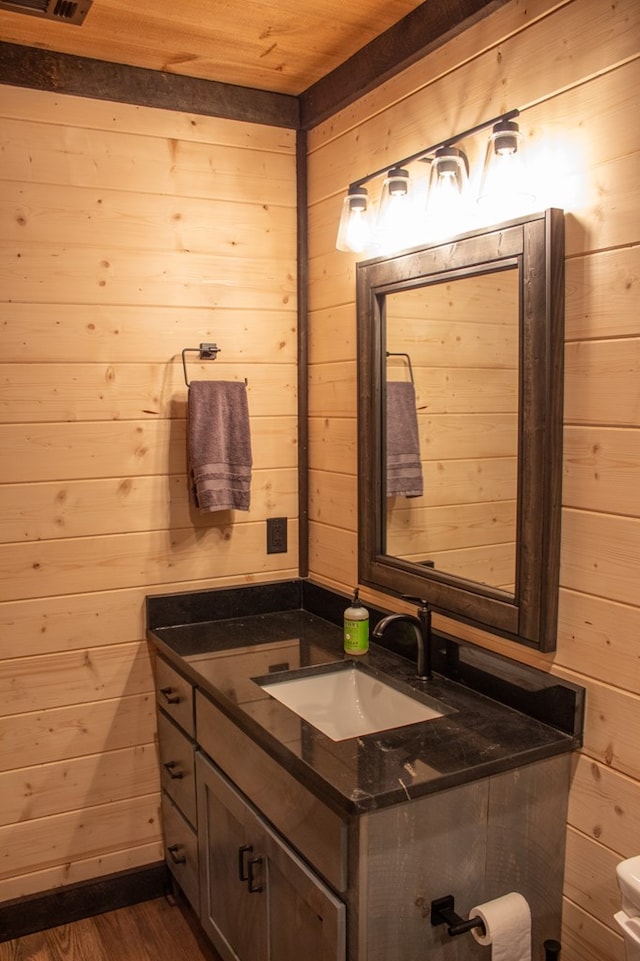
{"x": 536, "y": 244}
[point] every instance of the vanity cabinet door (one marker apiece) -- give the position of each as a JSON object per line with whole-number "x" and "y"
{"x": 232, "y": 889}
{"x": 259, "y": 901}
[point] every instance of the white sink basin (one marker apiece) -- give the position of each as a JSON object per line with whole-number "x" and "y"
{"x": 348, "y": 702}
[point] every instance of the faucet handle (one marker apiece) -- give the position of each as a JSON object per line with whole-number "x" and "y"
{"x": 420, "y": 601}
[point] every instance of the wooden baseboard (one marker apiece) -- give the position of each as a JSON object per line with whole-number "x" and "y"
{"x": 27, "y": 915}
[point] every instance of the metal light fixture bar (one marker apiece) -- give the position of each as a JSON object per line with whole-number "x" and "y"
{"x": 424, "y": 153}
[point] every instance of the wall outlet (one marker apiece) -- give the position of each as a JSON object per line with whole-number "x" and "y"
{"x": 276, "y": 535}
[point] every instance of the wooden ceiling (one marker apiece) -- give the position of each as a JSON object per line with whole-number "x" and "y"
{"x": 333, "y": 49}
{"x": 278, "y": 45}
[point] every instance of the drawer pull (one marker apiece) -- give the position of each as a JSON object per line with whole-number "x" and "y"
{"x": 243, "y": 873}
{"x": 171, "y": 766}
{"x": 255, "y": 887}
{"x": 170, "y": 696}
{"x": 176, "y": 858}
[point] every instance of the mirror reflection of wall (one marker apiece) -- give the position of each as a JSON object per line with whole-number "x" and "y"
{"x": 458, "y": 341}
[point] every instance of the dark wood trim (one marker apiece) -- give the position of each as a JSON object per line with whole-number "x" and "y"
{"x": 303, "y": 355}
{"x": 25, "y": 66}
{"x": 536, "y": 244}
{"x": 426, "y": 28}
{"x": 24, "y": 916}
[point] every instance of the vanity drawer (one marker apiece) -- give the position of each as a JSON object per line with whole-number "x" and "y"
{"x": 177, "y": 767}
{"x": 181, "y": 851}
{"x": 174, "y": 694}
{"x": 315, "y": 830}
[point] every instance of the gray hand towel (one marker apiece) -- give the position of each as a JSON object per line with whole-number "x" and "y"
{"x": 404, "y": 467}
{"x": 219, "y": 445}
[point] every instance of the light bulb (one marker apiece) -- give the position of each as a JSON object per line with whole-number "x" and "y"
{"x": 446, "y": 200}
{"x": 395, "y": 229}
{"x": 356, "y": 226}
{"x": 504, "y": 188}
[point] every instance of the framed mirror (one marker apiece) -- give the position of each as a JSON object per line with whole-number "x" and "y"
{"x": 460, "y": 364}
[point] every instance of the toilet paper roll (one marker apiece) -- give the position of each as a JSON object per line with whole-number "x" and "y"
{"x": 507, "y": 925}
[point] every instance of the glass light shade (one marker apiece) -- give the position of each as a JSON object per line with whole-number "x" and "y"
{"x": 447, "y": 197}
{"x": 356, "y": 221}
{"x": 395, "y": 227}
{"x": 504, "y": 187}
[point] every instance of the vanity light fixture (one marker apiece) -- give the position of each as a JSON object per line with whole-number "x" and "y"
{"x": 504, "y": 185}
{"x": 399, "y": 223}
{"x": 354, "y": 232}
{"x": 394, "y": 210}
{"x": 447, "y": 195}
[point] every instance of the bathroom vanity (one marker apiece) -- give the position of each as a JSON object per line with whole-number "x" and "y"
{"x": 291, "y": 844}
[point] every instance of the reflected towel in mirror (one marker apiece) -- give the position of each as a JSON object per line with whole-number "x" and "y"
{"x": 404, "y": 467}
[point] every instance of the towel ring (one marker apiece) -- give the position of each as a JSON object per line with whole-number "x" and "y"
{"x": 206, "y": 351}
{"x": 407, "y": 358}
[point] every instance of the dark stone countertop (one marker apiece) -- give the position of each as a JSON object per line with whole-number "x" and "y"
{"x": 482, "y": 735}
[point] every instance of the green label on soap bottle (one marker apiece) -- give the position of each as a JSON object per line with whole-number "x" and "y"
{"x": 356, "y": 636}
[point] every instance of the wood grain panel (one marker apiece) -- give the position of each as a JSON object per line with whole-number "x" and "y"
{"x": 116, "y": 333}
{"x": 78, "y": 834}
{"x": 333, "y": 552}
{"x": 333, "y": 444}
{"x": 115, "y": 219}
{"x": 600, "y": 555}
{"x": 37, "y": 792}
{"x": 610, "y": 724}
{"x": 333, "y": 388}
{"x": 601, "y": 467}
{"x": 76, "y": 730}
{"x": 601, "y": 294}
{"x": 488, "y": 564}
{"x": 40, "y": 106}
{"x": 78, "y": 621}
{"x": 95, "y": 276}
{"x": 600, "y": 638}
{"x": 602, "y": 806}
{"x": 129, "y": 449}
{"x": 601, "y": 382}
{"x": 63, "y": 155}
{"x": 62, "y": 392}
{"x": 332, "y": 499}
{"x": 114, "y": 506}
{"x": 332, "y": 335}
{"x": 585, "y": 939}
{"x": 412, "y": 529}
{"x": 82, "y": 869}
{"x": 590, "y": 880}
{"x": 74, "y": 677}
{"x": 82, "y": 564}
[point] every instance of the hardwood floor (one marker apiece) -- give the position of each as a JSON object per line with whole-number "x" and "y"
{"x": 158, "y": 930}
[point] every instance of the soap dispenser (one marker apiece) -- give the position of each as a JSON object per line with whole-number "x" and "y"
{"x": 356, "y": 627}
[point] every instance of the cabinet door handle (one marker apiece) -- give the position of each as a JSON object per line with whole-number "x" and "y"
{"x": 170, "y": 766}
{"x": 243, "y": 873}
{"x": 255, "y": 887}
{"x": 177, "y": 859}
{"x": 170, "y": 696}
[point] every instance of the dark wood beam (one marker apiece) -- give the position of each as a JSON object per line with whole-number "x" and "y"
{"x": 25, "y": 66}
{"x": 424, "y": 29}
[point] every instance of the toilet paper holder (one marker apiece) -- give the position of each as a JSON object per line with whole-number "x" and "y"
{"x": 443, "y": 912}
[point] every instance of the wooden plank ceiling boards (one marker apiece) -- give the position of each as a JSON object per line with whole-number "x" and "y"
{"x": 288, "y": 63}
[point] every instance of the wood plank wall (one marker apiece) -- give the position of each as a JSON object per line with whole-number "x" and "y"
{"x": 127, "y": 234}
{"x": 577, "y": 64}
